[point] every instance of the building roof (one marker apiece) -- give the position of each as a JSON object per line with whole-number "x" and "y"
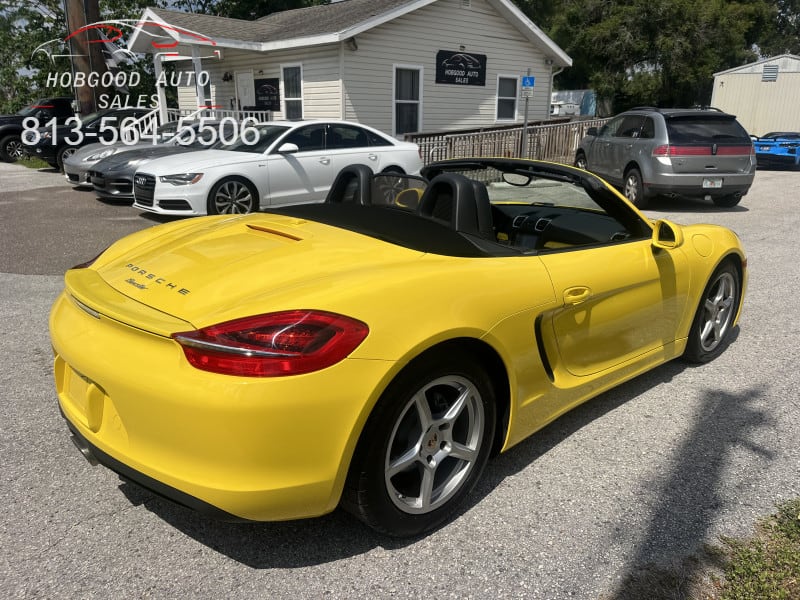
{"x": 303, "y": 27}
{"x": 787, "y": 62}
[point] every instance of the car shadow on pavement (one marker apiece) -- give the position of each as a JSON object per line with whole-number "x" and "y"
{"x": 671, "y": 557}
{"x": 687, "y": 495}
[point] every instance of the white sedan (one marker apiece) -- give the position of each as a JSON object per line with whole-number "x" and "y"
{"x": 270, "y": 164}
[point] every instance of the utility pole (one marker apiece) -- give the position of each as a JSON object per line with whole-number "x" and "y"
{"x": 86, "y": 57}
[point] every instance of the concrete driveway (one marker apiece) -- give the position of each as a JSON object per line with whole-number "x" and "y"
{"x": 625, "y": 488}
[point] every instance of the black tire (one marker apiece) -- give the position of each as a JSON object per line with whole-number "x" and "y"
{"x": 11, "y": 148}
{"x": 232, "y": 195}
{"x": 580, "y": 161}
{"x": 633, "y": 188}
{"x": 64, "y": 152}
{"x": 727, "y": 201}
{"x": 414, "y": 466}
{"x": 713, "y": 321}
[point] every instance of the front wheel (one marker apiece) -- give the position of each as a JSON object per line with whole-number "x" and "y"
{"x": 232, "y": 196}
{"x": 424, "y": 446}
{"x": 11, "y": 148}
{"x": 713, "y": 321}
{"x": 580, "y": 161}
{"x": 634, "y": 188}
{"x": 63, "y": 154}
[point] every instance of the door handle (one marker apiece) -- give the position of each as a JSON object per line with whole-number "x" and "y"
{"x": 372, "y": 156}
{"x": 325, "y": 161}
{"x": 576, "y": 295}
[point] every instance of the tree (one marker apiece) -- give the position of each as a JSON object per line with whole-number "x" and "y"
{"x": 662, "y": 52}
{"x": 784, "y": 34}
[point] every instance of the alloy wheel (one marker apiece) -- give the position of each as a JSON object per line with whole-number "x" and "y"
{"x": 434, "y": 445}
{"x": 717, "y": 311}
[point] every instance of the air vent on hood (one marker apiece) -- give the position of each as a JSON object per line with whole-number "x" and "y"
{"x": 275, "y": 232}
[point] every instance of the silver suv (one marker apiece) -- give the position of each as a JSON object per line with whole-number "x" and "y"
{"x": 672, "y": 152}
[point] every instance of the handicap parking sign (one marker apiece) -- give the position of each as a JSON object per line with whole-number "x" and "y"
{"x": 528, "y": 81}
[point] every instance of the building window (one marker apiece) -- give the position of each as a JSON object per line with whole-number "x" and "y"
{"x": 506, "y": 98}
{"x": 293, "y": 92}
{"x": 407, "y": 99}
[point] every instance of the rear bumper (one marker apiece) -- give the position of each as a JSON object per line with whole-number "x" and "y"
{"x": 261, "y": 449}
{"x": 692, "y": 186}
{"x": 96, "y": 456}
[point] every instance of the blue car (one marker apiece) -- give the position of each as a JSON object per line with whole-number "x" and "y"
{"x": 778, "y": 149}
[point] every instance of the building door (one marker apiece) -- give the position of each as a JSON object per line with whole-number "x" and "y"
{"x": 245, "y": 89}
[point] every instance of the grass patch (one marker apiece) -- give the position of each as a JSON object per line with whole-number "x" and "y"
{"x": 765, "y": 566}
{"x": 33, "y": 163}
{"x": 768, "y": 564}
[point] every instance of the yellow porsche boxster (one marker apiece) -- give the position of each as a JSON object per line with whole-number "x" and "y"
{"x": 372, "y": 351}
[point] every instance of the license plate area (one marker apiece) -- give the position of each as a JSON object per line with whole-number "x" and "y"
{"x": 712, "y": 183}
{"x": 86, "y": 397}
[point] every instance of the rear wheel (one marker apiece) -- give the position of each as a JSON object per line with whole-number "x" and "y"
{"x": 634, "y": 188}
{"x": 713, "y": 321}
{"x": 233, "y": 195}
{"x": 580, "y": 161}
{"x": 11, "y": 148}
{"x": 424, "y": 446}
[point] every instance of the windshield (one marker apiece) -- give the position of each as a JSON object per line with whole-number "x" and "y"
{"x": 256, "y": 139}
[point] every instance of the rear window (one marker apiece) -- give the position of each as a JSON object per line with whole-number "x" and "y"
{"x": 703, "y": 129}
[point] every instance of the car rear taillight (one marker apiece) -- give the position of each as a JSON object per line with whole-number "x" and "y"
{"x": 274, "y": 344}
{"x": 670, "y": 150}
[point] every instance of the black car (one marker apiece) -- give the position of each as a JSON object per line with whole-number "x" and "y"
{"x": 112, "y": 177}
{"x": 42, "y": 111}
{"x": 54, "y": 144}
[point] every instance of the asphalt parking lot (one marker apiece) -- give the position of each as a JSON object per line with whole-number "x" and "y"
{"x": 625, "y": 488}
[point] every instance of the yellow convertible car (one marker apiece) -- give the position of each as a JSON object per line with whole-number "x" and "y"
{"x": 372, "y": 351}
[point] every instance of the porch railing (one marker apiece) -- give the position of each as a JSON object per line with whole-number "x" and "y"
{"x": 554, "y": 142}
{"x": 146, "y": 125}
{"x": 174, "y": 114}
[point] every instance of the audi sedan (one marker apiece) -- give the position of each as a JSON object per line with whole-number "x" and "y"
{"x": 268, "y": 165}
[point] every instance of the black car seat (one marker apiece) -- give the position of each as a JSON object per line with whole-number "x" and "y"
{"x": 461, "y": 203}
{"x": 352, "y": 185}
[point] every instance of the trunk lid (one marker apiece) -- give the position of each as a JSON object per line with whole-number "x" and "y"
{"x": 224, "y": 267}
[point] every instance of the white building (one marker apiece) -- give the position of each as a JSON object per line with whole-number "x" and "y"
{"x": 763, "y": 95}
{"x": 398, "y": 65}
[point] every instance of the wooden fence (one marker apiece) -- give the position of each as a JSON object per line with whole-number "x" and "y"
{"x": 555, "y": 142}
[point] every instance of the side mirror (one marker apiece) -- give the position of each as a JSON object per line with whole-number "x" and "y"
{"x": 667, "y": 235}
{"x": 288, "y": 148}
{"x": 592, "y": 131}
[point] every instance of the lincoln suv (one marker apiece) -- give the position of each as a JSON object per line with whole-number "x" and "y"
{"x": 696, "y": 153}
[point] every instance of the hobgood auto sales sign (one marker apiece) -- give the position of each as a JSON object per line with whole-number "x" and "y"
{"x": 460, "y": 68}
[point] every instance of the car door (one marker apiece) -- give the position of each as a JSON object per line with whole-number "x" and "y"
{"x": 623, "y": 145}
{"x": 618, "y": 302}
{"x": 349, "y": 144}
{"x": 599, "y": 156}
{"x": 304, "y": 175}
